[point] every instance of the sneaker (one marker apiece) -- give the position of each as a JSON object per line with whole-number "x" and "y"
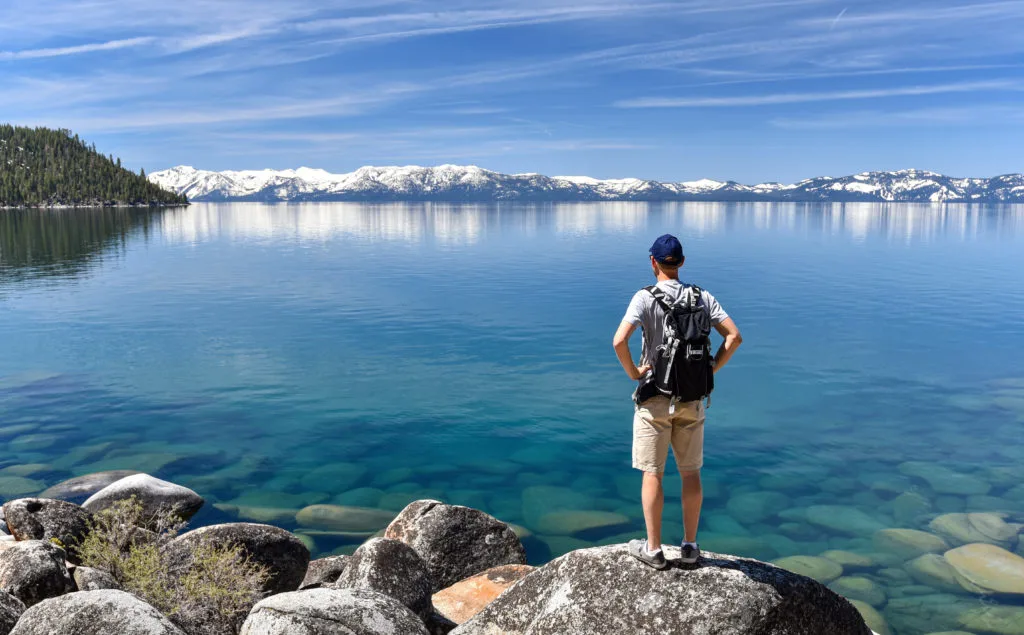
{"x": 638, "y": 549}
{"x": 691, "y": 553}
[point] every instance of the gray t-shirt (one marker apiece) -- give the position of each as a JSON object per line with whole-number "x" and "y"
{"x": 644, "y": 312}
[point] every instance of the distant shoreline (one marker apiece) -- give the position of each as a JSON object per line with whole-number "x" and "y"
{"x": 94, "y": 205}
{"x": 364, "y": 201}
{"x": 581, "y": 201}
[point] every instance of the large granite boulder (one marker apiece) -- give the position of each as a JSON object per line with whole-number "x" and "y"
{"x": 392, "y": 568}
{"x": 932, "y": 570}
{"x": 993, "y": 619}
{"x": 45, "y": 519}
{"x": 332, "y": 612}
{"x": 108, "y": 612}
{"x": 961, "y": 529}
{"x": 821, "y": 569}
{"x": 755, "y": 507}
{"x": 87, "y": 579}
{"x": 605, "y": 590}
{"x": 851, "y": 561}
{"x": 79, "y": 488}
{"x": 843, "y": 519}
{"x": 11, "y": 609}
{"x": 908, "y": 543}
{"x": 33, "y": 571}
{"x": 944, "y": 480}
{"x": 987, "y": 569}
{"x": 929, "y": 613}
{"x": 456, "y": 542}
{"x": 154, "y": 494}
{"x": 860, "y": 588}
{"x": 464, "y": 599}
{"x": 341, "y": 518}
{"x": 324, "y": 571}
{"x": 284, "y": 555}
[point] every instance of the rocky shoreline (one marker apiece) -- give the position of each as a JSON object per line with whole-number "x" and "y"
{"x": 435, "y": 568}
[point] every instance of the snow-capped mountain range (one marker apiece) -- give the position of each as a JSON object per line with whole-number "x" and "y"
{"x": 472, "y": 184}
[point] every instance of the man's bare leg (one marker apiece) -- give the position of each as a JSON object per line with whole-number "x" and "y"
{"x": 693, "y": 497}
{"x": 653, "y": 497}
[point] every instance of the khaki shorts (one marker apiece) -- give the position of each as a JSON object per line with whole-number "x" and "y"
{"x": 654, "y": 430}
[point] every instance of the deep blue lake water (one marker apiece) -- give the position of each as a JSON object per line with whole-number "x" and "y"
{"x": 274, "y": 357}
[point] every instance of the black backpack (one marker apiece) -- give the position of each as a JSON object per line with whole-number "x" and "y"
{"x": 682, "y": 363}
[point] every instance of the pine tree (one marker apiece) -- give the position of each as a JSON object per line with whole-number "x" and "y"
{"x": 54, "y": 167}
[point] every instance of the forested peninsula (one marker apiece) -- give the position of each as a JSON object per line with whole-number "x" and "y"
{"x": 40, "y": 167}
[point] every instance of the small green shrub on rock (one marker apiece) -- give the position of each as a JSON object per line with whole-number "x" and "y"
{"x": 117, "y": 543}
{"x": 212, "y": 597}
{"x": 219, "y": 589}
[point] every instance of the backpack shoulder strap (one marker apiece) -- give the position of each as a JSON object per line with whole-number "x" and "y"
{"x": 697, "y": 295}
{"x": 660, "y": 297}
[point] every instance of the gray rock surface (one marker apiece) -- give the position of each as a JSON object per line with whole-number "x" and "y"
{"x": 280, "y": 551}
{"x": 33, "y": 571}
{"x": 87, "y": 579}
{"x": 45, "y": 518}
{"x": 107, "y": 612}
{"x": 324, "y": 571}
{"x": 456, "y": 542}
{"x": 79, "y": 488}
{"x": 605, "y": 590}
{"x": 390, "y": 567}
{"x": 332, "y": 612}
{"x": 11, "y": 609}
{"x": 154, "y": 494}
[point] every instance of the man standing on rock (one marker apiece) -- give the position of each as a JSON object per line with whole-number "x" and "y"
{"x": 676, "y": 374}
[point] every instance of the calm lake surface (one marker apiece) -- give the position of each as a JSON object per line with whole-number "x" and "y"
{"x": 277, "y": 356}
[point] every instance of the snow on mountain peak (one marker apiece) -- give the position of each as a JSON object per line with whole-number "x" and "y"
{"x": 703, "y": 184}
{"x": 472, "y": 183}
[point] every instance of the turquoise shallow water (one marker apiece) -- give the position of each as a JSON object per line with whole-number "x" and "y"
{"x": 274, "y": 357}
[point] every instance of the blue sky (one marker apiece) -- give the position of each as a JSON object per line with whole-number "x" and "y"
{"x": 726, "y": 89}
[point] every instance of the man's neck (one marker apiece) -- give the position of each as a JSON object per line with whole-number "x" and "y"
{"x": 662, "y": 277}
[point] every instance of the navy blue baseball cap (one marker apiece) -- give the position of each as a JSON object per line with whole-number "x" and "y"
{"x": 668, "y": 250}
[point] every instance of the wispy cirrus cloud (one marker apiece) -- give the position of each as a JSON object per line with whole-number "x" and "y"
{"x": 399, "y": 135}
{"x": 345, "y": 104}
{"x": 972, "y": 12}
{"x": 414, "y": 25}
{"x": 482, "y": 17}
{"x": 112, "y": 45}
{"x": 749, "y": 77}
{"x": 989, "y": 115}
{"x": 802, "y": 98}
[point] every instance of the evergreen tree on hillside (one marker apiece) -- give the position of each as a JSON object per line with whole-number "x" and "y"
{"x": 39, "y": 166}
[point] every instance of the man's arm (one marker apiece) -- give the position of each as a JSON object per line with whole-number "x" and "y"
{"x": 727, "y": 329}
{"x": 621, "y": 344}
